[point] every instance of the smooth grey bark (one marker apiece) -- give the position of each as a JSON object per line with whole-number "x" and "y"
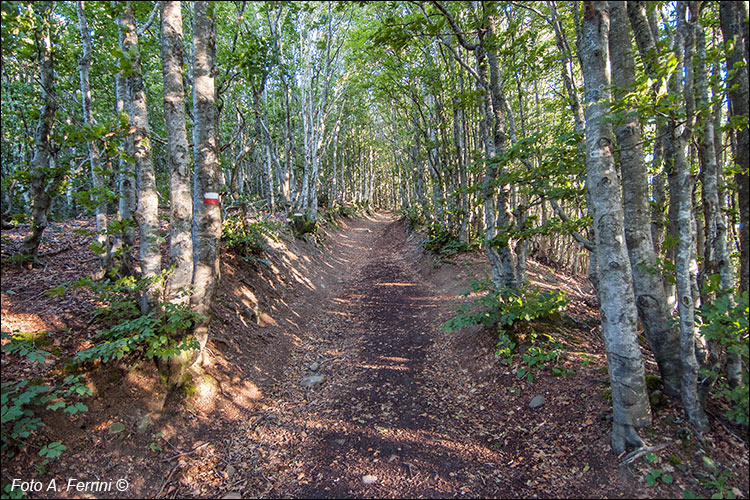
{"x": 43, "y": 182}
{"x": 731, "y": 14}
{"x": 618, "y": 310}
{"x": 432, "y": 159}
{"x": 500, "y": 139}
{"x": 566, "y": 68}
{"x": 206, "y": 217}
{"x": 178, "y": 159}
{"x": 146, "y": 214}
{"x": 650, "y": 297}
{"x": 84, "y": 67}
{"x": 716, "y": 251}
{"x": 268, "y": 171}
{"x": 734, "y": 30}
{"x": 645, "y": 38}
{"x": 459, "y": 142}
{"x": 681, "y": 189}
{"x": 126, "y": 186}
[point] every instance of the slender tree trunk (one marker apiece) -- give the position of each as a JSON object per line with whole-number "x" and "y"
{"x": 618, "y": 310}
{"x": 733, "y": 17}
{"x": 181, "y": 208}
{"x": 146, "y": 214}
{"x": 84, "y": 66}
{"x": 126, "y": 202}
{"x": 206, "y": 214}
{"x": 731, "y": 14}
{"x": 681, "y": 185}
{"x": 568, "y": 75}
{"x": 644, "y": 32}
{"x": 43, "y": 184}
{"x": 500, "y": 139}
{"x": 650, "y": 297}
{"x": 716, "y": 252}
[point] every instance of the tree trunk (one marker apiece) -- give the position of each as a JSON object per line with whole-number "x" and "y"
{"x": 180, "y": 202}
{"x": 645, "y": 39}
{"x": 44, "y": 183}
{"x": 146, "y": 214}
{"x": 681, "y": 186}
{"x": 618, "y": 310}
{"x": 500, "y": 139}
{"x": 650, "y": 297}
{"x": 206, "y": 215}
{"x": 716, "y": 252}
{"x": 84, "y": 65}
{"x": 124, "y": 242}
{"x": 737, "y": 85}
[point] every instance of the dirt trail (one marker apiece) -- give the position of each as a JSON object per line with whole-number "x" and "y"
{"x": 376, "y": 419}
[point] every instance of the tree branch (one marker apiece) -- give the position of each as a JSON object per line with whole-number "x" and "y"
{"x": 457, "y": 31}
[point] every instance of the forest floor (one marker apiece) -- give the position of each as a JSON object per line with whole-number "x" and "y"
{"x": 330, "y": 376}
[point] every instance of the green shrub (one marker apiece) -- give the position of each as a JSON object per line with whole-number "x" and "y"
{"x": 160, "y": 333}
{"x": 247, "y": 238}
{"x": 302, "y": 225}
{"x": 441, "y": 240}
{"x": 724, "y": 321}
{"x": 21, "y": 400}
{"x": 157, "y": 334}
{"x": 414, "y": 218}
{"x": 510, "y": 310}
{"x": 347, "y": 210}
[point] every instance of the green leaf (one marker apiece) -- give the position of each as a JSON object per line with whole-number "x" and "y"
{"x": 52, "y": 450}
{"x": 56, "y": 405}
{"x": 75, "y": 408}
{"x": 97, "y": 248}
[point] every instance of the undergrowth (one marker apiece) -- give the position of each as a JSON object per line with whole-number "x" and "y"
{"x": 511, "y": 311}
{"x": 724, "y": 322}
{"x": 161, "y": 333}
{"x": 442, "y": 241}
{"x": 247, "y": 239}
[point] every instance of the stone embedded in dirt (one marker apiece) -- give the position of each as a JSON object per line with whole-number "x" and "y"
{"x": 313, "y": 380}
{"x": 230, "y": 470}
{"x": 536, "y": 401}
{"x": 144, "y": 423}
{"x": 314, "y": 366}
{"x": 116, "y": 427}
{"x": 339, "y": 442}
{"x": 233, "y": 494}
{"x": 369, "y": 479}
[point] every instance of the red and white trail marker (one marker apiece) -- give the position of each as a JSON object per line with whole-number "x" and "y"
{"x": 211, "y": 198}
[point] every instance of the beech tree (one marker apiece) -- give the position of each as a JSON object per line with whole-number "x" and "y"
{"x": 84, "y": 65}
{"x": 619, "y": 315}
{"x": 146, "y": 213}
{"x": 650, "y": 296}
{"x": 206, "y": 183}
{"x": 180, "y": 201}
{"x": 44, "y": 178}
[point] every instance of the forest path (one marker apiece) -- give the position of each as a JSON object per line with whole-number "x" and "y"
{"x": 383, "y": 423}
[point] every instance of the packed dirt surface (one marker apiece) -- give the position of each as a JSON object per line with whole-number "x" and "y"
{"x": 331, "y": 377}
{"x": 403, "y": 409}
